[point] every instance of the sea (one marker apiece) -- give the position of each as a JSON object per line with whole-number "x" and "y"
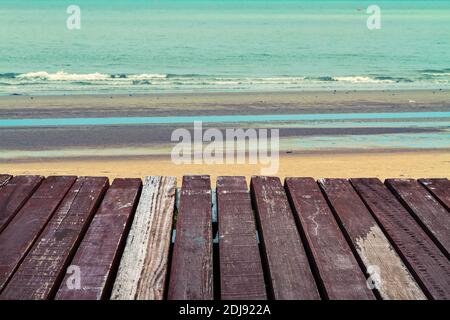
{"x": 149, "y": 46}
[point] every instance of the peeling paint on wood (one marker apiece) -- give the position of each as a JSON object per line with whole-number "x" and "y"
{"x": 37, "y": 276}
{"x": 397, "y": 238}
{"x": 427, "y": 263}
{"x": 101, "y": 247}
{"x": 395, "y": 283}
{"x": 339, "y": 272}
{"x": 4, "y": 178}
{"x": 440, "y": 189}
{"x": 371, "y": 245}
{"x": 143, "y": 268}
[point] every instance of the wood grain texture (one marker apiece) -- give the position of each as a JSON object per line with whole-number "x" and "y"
{"x": 4, "y": 178}
{"x": 18, "y": 237}
{"x": 338, "y": 269}
{"x": 191, "y": 276}
{"x": 143, "y": 268}
{"x": 100, "y": 250}
{"x": 430, "y": 214}
{"x": 368, "y": 240}
{"x": 39, "y": 274}
{"x": 290, "y": 274}
{"x": 427, "y": 263}
{"x": 14, "y": 195}
{"x": 241, "y": 274}
{"x": 440, "y": 189}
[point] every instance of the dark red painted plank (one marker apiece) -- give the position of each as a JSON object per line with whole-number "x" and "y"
{"x": 433, "y": 217}
{"x": 338, "y": 269}
{"x": 440, "y": 189}
{"x": 377, "y": 255}
{"x": 38, "y": 275}
{"x": 14, "y": 195}
{"x": 4, "y": 178}
{"x": 428, "y": 264}
{"x": 98, "y": 253}
{"x": 27, "y": 224}
{"x": 241, "y": 274}
{"x": 290, "y": 274}
{"x": 191, "y": 275}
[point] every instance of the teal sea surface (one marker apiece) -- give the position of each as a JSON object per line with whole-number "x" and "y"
{"x": 144, "y": 46}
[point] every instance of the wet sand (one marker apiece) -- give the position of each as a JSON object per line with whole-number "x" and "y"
{"x": 42, "y": 147}
{"x": 223, "y": 103}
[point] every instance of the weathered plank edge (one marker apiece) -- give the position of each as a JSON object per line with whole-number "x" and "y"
{"x": 24, "y": 200}
{"x": 419, "y": 221}
{"x": 415, "y": 289}
{"x": 137, "y": 276}
{"x": 195, "y": 189}
{"x": 311, "y": 290}
{"x": 4, "y": 178}
{"x": 426, "y": 184}
{"x": 427, "y": 291}
{"x": 39, "y": 232}
{"x": 294, "y": 187}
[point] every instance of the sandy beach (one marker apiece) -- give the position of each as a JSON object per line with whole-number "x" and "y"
{"x": 413, "y": 164}
{"x": 373, "y": 148}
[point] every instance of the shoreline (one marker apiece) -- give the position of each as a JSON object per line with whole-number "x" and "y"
{"x": 242, "y": 103}
{"x": 342, "y": 161}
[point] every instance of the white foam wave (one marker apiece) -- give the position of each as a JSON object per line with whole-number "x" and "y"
{"x": 63, "y": 76}
{"x": 362, "y": 80}
{"x": 147, "y": 76}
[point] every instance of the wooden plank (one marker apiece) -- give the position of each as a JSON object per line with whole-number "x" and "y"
{"x": 4, "y": 178}
{"x": 433, "y": 217}
{"x": 241, "y": 274}
{"x": 100, "y": 250}
{"x": 39, "y": 274}
{"x": 191, "y": 276}
{"x": 290, "y": 275}
{"x": 338, "y": 269}
{"x": 440, "y": 189}
{"x": 17, "y": 238}
{"x": 427, "y": 263}
{"x": 373, "y": 248}
{"x": 14, "y": 195}
{"x": 143, "y": 269}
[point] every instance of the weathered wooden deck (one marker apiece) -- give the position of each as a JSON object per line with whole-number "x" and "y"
{"x": 81, "y": 238}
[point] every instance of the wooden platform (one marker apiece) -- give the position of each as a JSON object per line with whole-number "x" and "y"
{"x": 82, "y": 238}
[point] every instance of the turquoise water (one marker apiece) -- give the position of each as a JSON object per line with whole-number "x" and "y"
{"x": 61, "y": 122}
{"x": 144, "y": 46}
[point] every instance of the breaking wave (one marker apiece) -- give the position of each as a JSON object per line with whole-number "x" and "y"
{"x": 63, "y": 82}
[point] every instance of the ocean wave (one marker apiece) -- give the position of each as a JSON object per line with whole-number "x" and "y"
{"x": 63, "y": 76}
{"x": 361, "y": 79}
{"x": 8, "y": 75}
{"x": 81, "y": 77}
{"x": 61, "y": 81}
{"x": 444, "y": 71}
{"x": 357, "y": 79}
{"x": 147, "y": 76}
